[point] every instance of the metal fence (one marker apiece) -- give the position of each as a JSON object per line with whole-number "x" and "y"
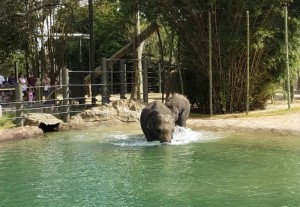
{"x": 75, "y": 92}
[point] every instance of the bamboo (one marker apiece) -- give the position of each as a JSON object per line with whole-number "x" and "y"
{"x": 92, "y": 52}
{"x": 248, "y": 63}
{"x": 210, "y": 65}
{"x": 287, "y": 58}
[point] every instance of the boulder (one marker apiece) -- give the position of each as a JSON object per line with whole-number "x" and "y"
{"x": 128, "y": 111}
{"x": 47, "y": 122}
{"x": 20, "y": 133}
{"x": 95, "y": 114}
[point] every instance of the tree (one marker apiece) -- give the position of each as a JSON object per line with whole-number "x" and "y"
{"x": 189, "y": 20}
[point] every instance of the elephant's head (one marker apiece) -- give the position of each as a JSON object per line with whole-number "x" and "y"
{"x": 162, "y": 127}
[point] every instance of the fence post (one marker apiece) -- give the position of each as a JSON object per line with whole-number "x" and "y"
{"x": 104, "y": 93}
{"x": 66, "y": 103}
{"x": 122, "y": 79}
{"x": 159, "y": 78}
{"x": 145, "y": 80}
{"x": 19, "y": 105}
{"x": 111, "y": 80}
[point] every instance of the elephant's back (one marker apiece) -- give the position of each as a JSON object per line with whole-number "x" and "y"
{"x": 152, "y": 109}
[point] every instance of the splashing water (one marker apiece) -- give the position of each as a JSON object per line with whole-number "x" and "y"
{"x": 184, "y": 135}
{"x": 181, "y": 136}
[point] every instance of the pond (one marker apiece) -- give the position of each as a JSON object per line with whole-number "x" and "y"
{"x": 115, "y": 166}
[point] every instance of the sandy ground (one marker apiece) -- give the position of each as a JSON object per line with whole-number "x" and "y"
{"x": 281, "y": 122}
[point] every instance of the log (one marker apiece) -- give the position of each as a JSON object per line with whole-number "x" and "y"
{"x": 129, "y": 47}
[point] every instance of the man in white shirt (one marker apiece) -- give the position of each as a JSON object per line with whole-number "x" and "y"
{"x": 1, "y": 79}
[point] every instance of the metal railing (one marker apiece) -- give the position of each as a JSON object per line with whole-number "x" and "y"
{"x": 63, "y": 96}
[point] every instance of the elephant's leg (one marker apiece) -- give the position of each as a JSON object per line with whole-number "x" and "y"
{"x": 181, "y": 121}
{"x": 149, "y": 136}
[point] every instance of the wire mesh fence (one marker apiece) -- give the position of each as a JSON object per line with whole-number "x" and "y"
{"x": 76, "y": 90}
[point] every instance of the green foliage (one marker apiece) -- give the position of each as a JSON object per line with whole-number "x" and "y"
{"x": 189, "y": 19}
{"x": 114, "y": 24}
{"x": 6, "y": 121}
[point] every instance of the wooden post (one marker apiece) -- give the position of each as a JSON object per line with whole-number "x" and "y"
{"x": 66, "y": 103}
{"x": 19, "y": 105}
{"x": 122, "y": 79}
{"x": 104, "y": 93}
{"x": 159, "y": 78}
{"x": 145, "y": 80}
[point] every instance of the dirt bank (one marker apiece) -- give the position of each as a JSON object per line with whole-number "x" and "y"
{"x": 276, "y": 119}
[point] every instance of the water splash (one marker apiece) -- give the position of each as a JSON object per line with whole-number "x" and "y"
{"x": 184, "y": 135}
{"x": 181, "y": 136}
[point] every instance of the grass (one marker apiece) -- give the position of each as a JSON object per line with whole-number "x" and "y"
{"x": 6, "y": 122}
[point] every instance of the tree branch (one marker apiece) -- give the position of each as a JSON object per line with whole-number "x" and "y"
{"x": 26, "y": 13}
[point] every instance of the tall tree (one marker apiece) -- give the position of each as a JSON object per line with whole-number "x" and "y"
{"x": 189, "y": 20}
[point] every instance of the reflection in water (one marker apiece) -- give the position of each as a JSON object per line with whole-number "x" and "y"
{"x": 117, "y": 167}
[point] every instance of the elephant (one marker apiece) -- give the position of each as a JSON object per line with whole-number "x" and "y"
{"x": 157, "y": 122}
{"x": 180, "y": 107}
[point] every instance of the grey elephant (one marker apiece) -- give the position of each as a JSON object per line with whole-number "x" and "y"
{"x": 157, "y": 122}
{"x": 180, "y": 108}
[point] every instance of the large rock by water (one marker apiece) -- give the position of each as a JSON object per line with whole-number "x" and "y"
{"x": 47, "y": 122}
{"x": 20, "y": 133}
{"x": 123, "y": 110}
{"x": 128, "y": 111}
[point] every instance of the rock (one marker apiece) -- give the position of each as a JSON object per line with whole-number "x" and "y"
{"x": 95, "y": 114}
{"x": 20, "y": 133}
{"x": 47, "y": 122}
{"x": 128, "y": 111}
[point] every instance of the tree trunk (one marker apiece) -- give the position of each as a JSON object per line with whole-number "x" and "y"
{"x": 137, "y": 88}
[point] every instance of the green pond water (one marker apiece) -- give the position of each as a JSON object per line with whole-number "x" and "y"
{"x": 115, "y": 166}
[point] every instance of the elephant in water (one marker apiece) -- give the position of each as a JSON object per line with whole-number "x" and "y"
{"x": 180, "y": 108}
{"x": 157, "y": 122}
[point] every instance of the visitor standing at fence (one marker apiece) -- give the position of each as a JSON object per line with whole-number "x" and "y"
{"x": 46, "y": 85}
{"x": 23, "y": 82}
{"x": 30, "y": 95}
{"x": 12, "y": 79}
{"x": 2, "y": 80}
{"x": 32, "y": 83}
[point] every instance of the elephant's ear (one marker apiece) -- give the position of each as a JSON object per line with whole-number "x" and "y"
{"x": 169, "y": 103}
{"x": 150, "y": 124}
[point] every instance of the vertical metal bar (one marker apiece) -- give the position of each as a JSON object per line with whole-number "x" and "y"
{"x": 104, "y": 81}
{"x": 287, "y": 57}
{"x": 145, "y": 80}
{"x": 66, "y": 103}
{"x": 159, "y": 78}
{"x": 122, "y": 79}
{"x": 248, "y": 63}
{"x": 210, "y": 65}
{"x": 19, "y": 105}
